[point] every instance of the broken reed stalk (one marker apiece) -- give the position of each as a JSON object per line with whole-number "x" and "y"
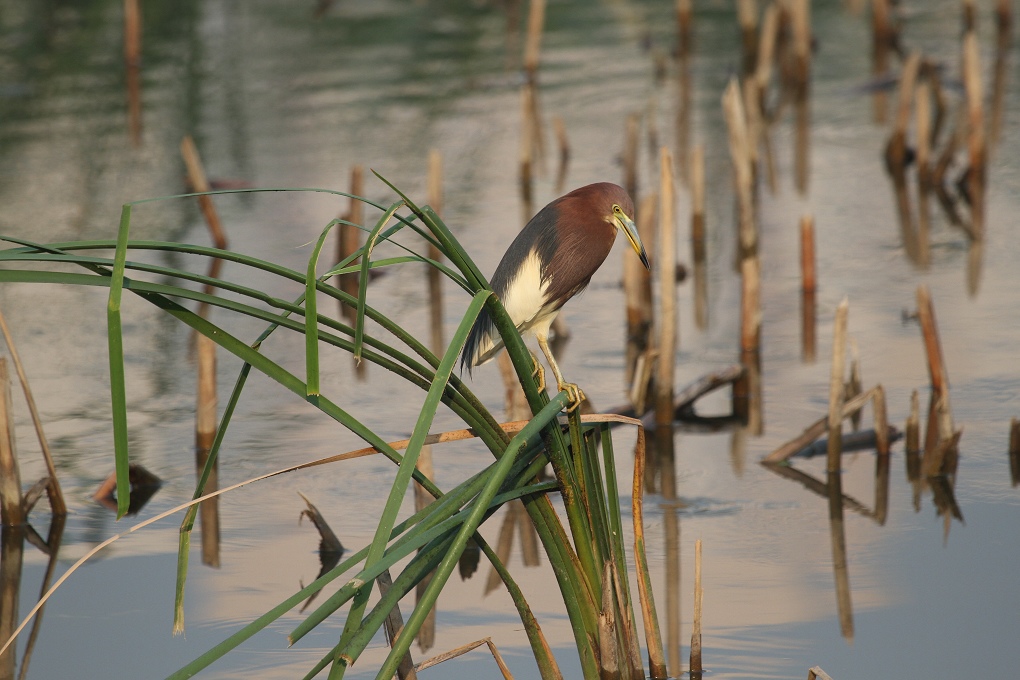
{"x": 1000, "y": 73}
{"x": 699, "y": 594}
{"x": 975, "y": 132}
{"x": 755, "y": 125}
{"x": 800, "y": 11}
{"x": 205, "y": 432}
{"x": 836, "y": 387}
{"x": 641, "y": 353}
{"x": 750, "y": 310}
{"x": 205, "y": 414}
{"x": 199, "y": 183}
{"x": 133, "y": 66}
{"x": 1014, "y": 451}
{"x": 767, "y": 47}
{"x": 435, "y": 200}
{"x": 762, "y": 76}
{"x": 818, "y": 428}
{"x": 882, "y": 39}
{"x": 923, "y": 98}
{"x": 816, "y": 673}
{"x": 808, "y": 287}
{"x": 747, "y": 18}
{"x": 801, "y": 20}
{"x": 932, "y": 345}
{"x": 631, "y": 143}
{"x": 897, "y": 154}
{"x": 968, "y": 15}
{"x": 698, "y": 248}
{"x": 637, "y": 290}
{"x": 533, "y": 40}
{"x": 53, "y": 491}
{"x": 736, "y": 122}
{"x": 434, "y": 196}
{"x": 11, "y": 508}
{"x": 940, "y": 420}
{"x": 896, "y": 150}
{"x": 349, "y": 240}
{"x": 684, "y": 26}
{"x": 653, "y": 637}
{"x": 667, "y": 344}
{"x": 463, "y": 649}
{"x": 393, "y": 625}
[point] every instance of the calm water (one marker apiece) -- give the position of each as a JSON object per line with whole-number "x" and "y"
{"x": 275, "y": 98}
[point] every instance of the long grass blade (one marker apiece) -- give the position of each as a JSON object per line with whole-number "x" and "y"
{"x": 311, "y": 317}
{"x": 534, "y": 429}
{"x": 118, "y": 390}
{"x": 399, "y": 486}
{"x": 366, "y": 254}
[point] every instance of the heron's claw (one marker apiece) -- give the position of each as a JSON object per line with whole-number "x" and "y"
{"x": 538, "y": 373}
{"x": 574, "y": 395}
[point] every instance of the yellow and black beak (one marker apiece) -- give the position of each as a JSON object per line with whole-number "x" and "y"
{"x": 626, "y": 225}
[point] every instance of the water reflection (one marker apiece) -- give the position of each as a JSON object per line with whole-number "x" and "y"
{"x": 12, "y": 545}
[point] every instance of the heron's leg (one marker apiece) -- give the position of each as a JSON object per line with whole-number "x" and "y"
{"x": 574, "y": 392}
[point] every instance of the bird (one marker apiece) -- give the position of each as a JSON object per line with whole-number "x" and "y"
{"x": 550, "y": 261}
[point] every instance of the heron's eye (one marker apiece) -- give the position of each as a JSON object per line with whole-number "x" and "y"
{"x": 617, "y": 210}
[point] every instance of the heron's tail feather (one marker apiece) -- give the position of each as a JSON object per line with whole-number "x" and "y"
{"x": 482, "y": 344}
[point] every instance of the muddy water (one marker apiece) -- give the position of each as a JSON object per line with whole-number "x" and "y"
{"x": 274, "y": 98}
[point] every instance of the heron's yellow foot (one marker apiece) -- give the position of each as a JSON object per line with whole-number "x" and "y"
{"x": 574, "y": 394}
{"x": 538, "y": 373}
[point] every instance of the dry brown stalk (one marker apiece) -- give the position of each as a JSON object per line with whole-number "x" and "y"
{"x": 199, "y": 183}
{"x": 816, "y": 673}
{"x": 205, "y": 433}
{"x": 976, "y": 144}
{"x": 11, "y": 508}
{"x": 133, "y": 64}
{"x": 835, "y": 420}
{"x": 533, "y": 41}
{"x": 817, "y": 429}
{"x": 653, "y": 638}
{"x": 666, "y": 262}
{"x": 463, "y": 649}
{"x": 56, "y": 496}
{"x": 684, "y": 20}
{"x": 349, "y": 240}
{"x": 747, "y": 18}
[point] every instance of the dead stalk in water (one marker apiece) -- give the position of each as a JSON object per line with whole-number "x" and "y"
{"x": 666, "y": 261}
{"x": 56, "y": 495}
{"x": 835, "y": 420}
{"x": 11, "y": 508}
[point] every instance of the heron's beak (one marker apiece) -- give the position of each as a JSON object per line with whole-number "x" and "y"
{"x": 626, "y": 225}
